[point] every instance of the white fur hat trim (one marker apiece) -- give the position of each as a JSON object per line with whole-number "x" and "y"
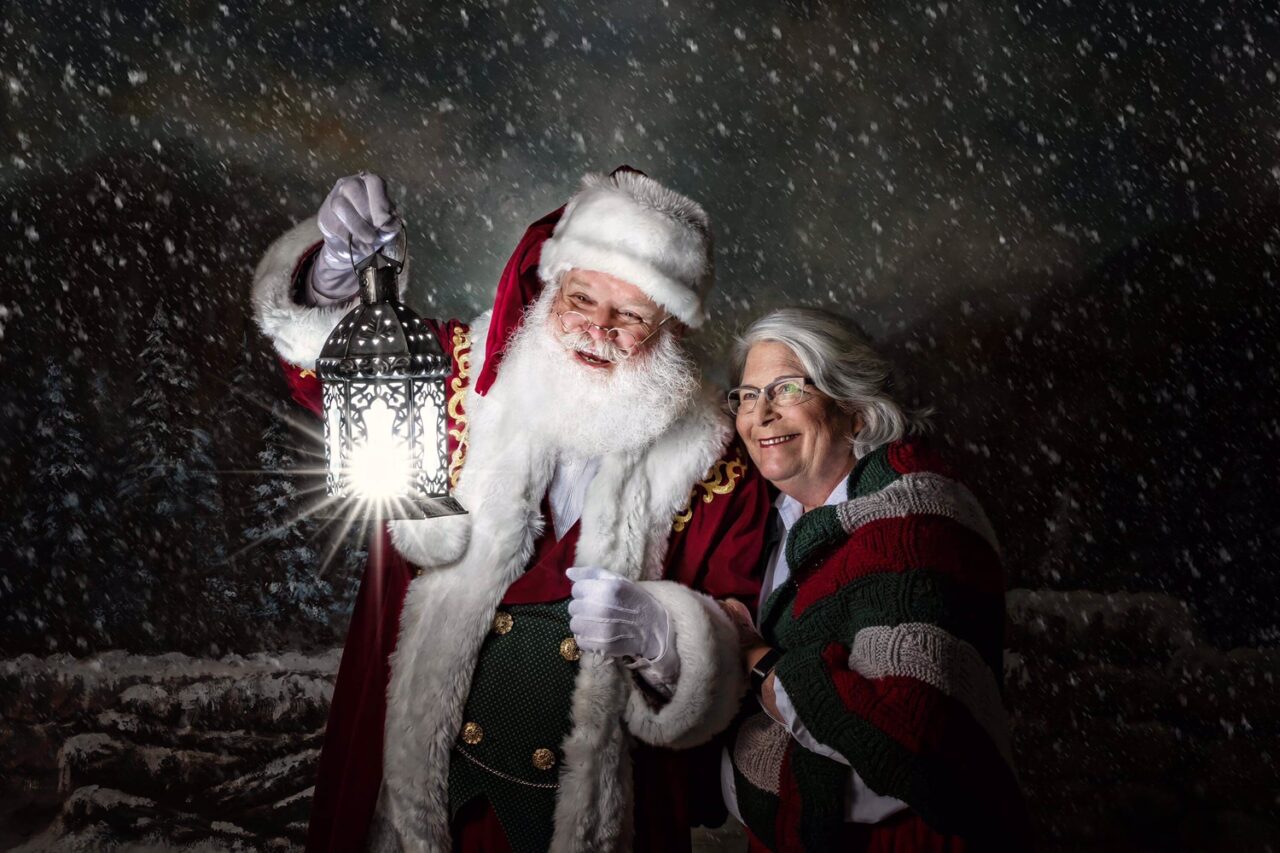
{"x": 632, "y": 227}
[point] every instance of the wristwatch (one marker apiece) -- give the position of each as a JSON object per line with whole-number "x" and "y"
{"x": 762, "y": 668}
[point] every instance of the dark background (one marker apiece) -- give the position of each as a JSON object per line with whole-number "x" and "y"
{"x": 1060, "y": 219}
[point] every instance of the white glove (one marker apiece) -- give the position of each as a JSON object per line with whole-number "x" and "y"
{"x": 616, "y": 617}
{"x": 357, "y": 209}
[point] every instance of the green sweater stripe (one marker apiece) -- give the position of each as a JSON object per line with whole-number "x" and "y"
{"x": 822, "y": 784}
{"x": 887, "y": 766}
{"x": 970, "y": 801}
{"x": 759, "y": 808}
{"x": 892, "y": 598}
{"x": 820, "y": 528}
{"x": 816, "y": 533}
{"x": 872, "y": 473}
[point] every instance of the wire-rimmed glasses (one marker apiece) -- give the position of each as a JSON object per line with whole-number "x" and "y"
{"x": 625, "y": 339}
{"x": 783, "y": 391}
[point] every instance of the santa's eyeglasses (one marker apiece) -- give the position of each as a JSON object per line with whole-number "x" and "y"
{"x": 625, "y": 338}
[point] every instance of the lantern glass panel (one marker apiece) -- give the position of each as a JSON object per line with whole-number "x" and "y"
{"x": 379, "y": 463}
{"x": 333, "y": 421}
{"x": 430, "y": 446}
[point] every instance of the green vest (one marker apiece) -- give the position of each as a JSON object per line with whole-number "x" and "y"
{"x": 517, "y": 717}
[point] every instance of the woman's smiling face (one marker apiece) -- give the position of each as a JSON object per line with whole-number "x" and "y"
{"x": 801, "y": 449}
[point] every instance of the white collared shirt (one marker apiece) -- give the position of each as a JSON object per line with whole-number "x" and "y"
{"x": 862, "y": 805}
{"x": 567, "y": 493}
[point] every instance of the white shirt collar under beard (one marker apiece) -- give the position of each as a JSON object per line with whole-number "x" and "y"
{"x": 574, "y": 410}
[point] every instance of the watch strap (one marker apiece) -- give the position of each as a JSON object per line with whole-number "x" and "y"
{"x": 762, "y": 668}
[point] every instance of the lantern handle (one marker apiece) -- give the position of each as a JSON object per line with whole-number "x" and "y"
{"x": 402, "y": 244}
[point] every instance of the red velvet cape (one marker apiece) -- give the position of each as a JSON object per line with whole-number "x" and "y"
{"x": 715, "y": 547}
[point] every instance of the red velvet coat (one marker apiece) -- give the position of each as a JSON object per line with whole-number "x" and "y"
{"x": 714, "y": 547}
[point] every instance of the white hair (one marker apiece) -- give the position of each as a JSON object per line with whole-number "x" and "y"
{"x": 840, "y": 361}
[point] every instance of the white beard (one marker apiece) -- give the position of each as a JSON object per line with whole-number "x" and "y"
{"x": 575, "y": 410}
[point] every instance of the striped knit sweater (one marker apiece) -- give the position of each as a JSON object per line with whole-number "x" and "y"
{"x": 891, "y": 628}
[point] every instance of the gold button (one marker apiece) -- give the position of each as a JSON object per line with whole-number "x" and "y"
{"x": 502, "y": 622}
{"x": 544, "y": 759}
{"x": 569, "y": 649}
{"x": 418, "y": 573}
{"x": 472, "y": 734}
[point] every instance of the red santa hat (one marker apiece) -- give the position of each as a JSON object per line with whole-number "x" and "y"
{"x": 627, "y": 225}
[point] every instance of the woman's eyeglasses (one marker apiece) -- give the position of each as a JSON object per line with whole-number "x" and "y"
{"x": 783, "y": 391}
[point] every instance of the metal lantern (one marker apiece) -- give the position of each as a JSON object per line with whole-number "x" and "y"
{"x": 383, "y": 377}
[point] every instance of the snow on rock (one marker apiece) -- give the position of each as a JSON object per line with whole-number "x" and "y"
{"x": 171, "y": 772}
{"x": 95, "y": 818}
{"x": 279, "y": 779}
{"x": 164, "y": 752}
{"x": 1115, "y": 627}
{"x": 1131, "y": 732}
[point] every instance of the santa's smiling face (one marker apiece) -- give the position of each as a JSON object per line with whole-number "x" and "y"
{"x": 602, "y": 319}
{"x": 614, "y": 377}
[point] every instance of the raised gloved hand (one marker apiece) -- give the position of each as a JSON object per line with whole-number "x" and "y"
{"x": 357, "y": 209}
{"x": 616, "y": 617}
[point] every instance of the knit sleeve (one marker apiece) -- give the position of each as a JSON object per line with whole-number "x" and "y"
{"x": 916, "y": 715}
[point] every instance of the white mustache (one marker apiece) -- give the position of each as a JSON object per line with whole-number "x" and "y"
{"x": 584, "y": 343}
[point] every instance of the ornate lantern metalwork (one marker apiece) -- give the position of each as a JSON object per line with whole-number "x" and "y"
{"x": 383, "y": 377}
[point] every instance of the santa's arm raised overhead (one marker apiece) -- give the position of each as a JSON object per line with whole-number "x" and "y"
{"x": 305, "y": 283}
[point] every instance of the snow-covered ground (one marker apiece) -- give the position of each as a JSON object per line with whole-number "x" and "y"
{"x": 1129, "y": 730}
{"x": 169, "y": 750}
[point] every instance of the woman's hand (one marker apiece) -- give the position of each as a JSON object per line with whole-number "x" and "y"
{"x": 738, "y": 613}
{"x": 753, "y": 649}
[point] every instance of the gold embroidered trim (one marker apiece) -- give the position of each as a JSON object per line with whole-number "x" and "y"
{"x": 721, "y": 479}
{"x": 457, "y": 393}
{"x": 303, "y": 374}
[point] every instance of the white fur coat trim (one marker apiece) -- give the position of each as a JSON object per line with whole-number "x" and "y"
{"x": 297, "y": 332}
{"x": 711, "y": 681}
{"x": 471, "y": 560}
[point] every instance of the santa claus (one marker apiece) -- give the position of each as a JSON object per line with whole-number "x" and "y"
{"x": 521, "y": 677}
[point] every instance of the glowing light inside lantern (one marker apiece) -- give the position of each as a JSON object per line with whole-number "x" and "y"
{"x": 379, "y": 466}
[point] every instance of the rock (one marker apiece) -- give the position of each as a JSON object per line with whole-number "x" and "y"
{"x": 96, "y": 818}
{"x": 1239, "y": 772}
{"x": 294, "y": 809}
{"x": 1052, "y": 691}
{"x": 276, "y": 702}
{"x": 1239, "y": 689}
{"x": 1099, "y": 750}
{"x": 1119, "y": 628}
{"x": 281, "y": 778}
{"x": 260, "y": 745}
{"x": 61, "y": 687}
{"x": 167, "y": 774}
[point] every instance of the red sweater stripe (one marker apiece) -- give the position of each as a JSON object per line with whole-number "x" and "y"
{"x": 900, "y": 545}
{"x": 938, "y": 729}
{"x": 911, "y": 457}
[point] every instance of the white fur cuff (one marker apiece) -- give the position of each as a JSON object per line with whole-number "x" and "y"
{"x": 297, "y": 331}
{"x": 711, "y": 680}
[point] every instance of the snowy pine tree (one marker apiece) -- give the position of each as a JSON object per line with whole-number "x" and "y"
{"x": 175, "y": 537}
{"x": 298, "y": 587}
{"x": 48, "y": 586}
